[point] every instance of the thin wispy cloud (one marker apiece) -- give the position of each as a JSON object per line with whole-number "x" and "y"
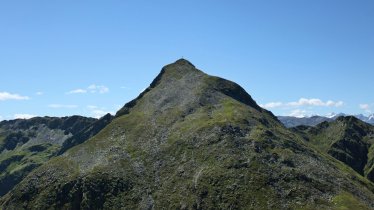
{"x": 298, "y": 113}
{"x": 366, "y": 107}
{"x": 4, "y": 96}
{"x": 312, "y": 102}
{"x": 23, "y": 116}
{"x": 39, "y": 93}
{"x": 272, "y": 105}
{"x": 98, "y": 89}
{"x": 98, "y": 112}
{"x": 315, "y": 102}
{"x": 62, "y": 106}
{"x": 90, "y": 89}
{"x": 77, "y": 91}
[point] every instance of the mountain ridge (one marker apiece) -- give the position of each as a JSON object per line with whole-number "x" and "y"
{"x": 192, "y": 141}
{"x": 347, "y": 139}
{"x": 290, "y": 121}
{"x": 25, "y": 144}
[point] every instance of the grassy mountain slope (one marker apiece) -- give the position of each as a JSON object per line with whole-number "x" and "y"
{"x": 192, "y": 141}
{"x": 348, "y": 139}
{"x": 27, "y": 144}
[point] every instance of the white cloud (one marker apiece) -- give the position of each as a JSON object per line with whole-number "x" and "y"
{"x": 303, "y": 102}
{"x": 335, "y": 104}
{"x": 315, "y": 102}
{"x": 98, "y": 88}
{"x": 9, "y": 96}
{"x": 39, "y": 93}
{"x": 271, "y": 105}
{"x": 90, "y": 89}
{"x": 64, "y": 106}
{"x": 103, "y": 89}
{"x": 97, "y": 112}
{"x": 23, "y": 116}
{"x": 77, "y": 91}
{"x": 298, "y": 113}
{"x": 366, "y": 107}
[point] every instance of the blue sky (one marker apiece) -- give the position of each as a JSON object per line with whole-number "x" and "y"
{"x": 294, "y": 57}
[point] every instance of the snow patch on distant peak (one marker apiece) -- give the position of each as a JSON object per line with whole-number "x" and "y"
{"x": 331, "y": 115}
{"x": 334, "y": 115}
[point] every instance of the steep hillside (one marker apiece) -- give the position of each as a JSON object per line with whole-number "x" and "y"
{"x": 348, "y": 139}
{"x": 192, "y": 141}
{"x": 26, "y": 144}
{"x": 86, "y": 133}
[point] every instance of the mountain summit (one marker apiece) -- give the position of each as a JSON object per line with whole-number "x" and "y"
{"x": 192, "y": 141}
{"x": 181, "y": 84}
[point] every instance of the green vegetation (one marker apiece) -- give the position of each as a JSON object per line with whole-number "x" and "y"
{"x": 17, "y": 164}
{"x": 346, "y": 201}
{"x": 346, "y": 139}
{"x": 27, "y": 144}
{"x": 192, "y": 141}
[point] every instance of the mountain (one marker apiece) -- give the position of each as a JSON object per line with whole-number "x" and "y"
{"x": 192, "y": 141}
{"x": 27, "y": 144}
{"x": 347, "y": 139}
{"x": 290, "y": 122}
{"x": 86, "y": 133}
{"x": 367, "y": 119}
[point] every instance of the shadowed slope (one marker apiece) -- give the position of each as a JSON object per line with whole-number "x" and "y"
{"x": 27, "y": 144}
{"x": 347, "y": 139}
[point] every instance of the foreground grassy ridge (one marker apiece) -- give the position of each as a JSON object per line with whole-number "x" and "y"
{"x": 192, "y": 141}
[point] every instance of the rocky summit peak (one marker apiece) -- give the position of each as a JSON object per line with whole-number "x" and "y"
{"x": 179, "y": 67}
{"x": 347, "y": 119}
{"x": 182, "y": 84}
{"x": 184, "y": 62}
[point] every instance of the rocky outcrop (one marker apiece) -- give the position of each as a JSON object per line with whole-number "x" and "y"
{"x": 27, "y": 144}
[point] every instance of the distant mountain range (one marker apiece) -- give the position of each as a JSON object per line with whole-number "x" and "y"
{"x": 289, "y": 121}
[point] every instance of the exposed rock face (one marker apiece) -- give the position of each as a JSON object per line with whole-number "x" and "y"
{"x": 26, "y": 144}
{"x": 192, "y": 141}
{"x": 347, "y": 139}
{"x": 86, "y": 133}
